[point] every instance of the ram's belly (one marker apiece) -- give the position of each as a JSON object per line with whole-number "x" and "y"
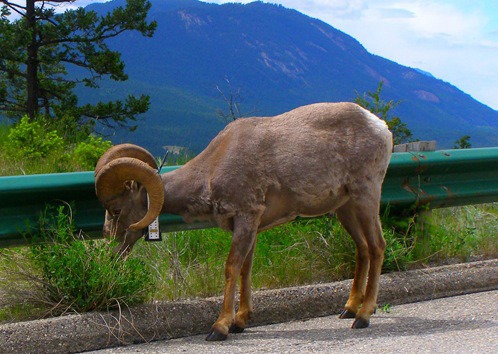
{"x": 282, "y": 206}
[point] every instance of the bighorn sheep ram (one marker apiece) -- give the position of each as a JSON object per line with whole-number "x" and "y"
{"x": 256, "y": 174}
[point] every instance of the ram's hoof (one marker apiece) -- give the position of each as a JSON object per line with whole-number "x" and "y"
{"x": 347, "y": 314}
{"x": 215, "y": 336}
{"x": 360, "y": 323}
{"x": 236, "y": 329}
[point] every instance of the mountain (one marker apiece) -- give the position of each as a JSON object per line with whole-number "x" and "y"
{"x": 278, "y": 59}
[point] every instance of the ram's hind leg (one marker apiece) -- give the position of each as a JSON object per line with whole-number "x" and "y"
{"x": 370, "y": 223}
{"x": 347, "y": 216}
{"x": 362, "y": 221}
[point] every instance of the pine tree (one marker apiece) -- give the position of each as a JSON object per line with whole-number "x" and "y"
{"x": 39, "y": 47}
{"x": 375, "y": 104}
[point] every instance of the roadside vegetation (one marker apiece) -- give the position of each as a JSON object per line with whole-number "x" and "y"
{"x": 61, "y": 272}
{"x": 67, "y": 274}
{"x": 64, "y": 273}
{"x": 34, "y": 147}
{"x": 191, "y": 263}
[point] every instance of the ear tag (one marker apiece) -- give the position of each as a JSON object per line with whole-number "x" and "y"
{"x": 154, "y": 233}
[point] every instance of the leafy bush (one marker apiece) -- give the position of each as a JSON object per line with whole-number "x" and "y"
{"x": 40, "y": 146}
{"x": 87, "y": 153}
{"x": 29, "y": 139}
{"x": 68, "y": 274}
{"x": 383, "y": 109}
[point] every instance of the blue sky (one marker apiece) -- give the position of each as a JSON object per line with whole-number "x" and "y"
{"x": 455, "y": 40}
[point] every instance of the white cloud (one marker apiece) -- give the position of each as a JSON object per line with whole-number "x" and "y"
{"x": 434, "y": 20}
{"x": 340, "y": 8}
{"x": 452, "y": 43}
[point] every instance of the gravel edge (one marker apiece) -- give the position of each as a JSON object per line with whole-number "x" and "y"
{"x": 93, "y": 331}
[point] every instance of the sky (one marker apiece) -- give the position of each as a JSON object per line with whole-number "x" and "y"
{"x": 454, "y": 40}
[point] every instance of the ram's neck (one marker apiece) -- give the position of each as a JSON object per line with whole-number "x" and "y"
{"x": 184, "y": 191}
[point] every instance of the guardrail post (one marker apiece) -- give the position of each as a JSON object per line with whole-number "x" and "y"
{"x": 422, "y": 247}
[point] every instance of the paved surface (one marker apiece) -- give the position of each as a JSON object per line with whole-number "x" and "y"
{"x": 460, "y": 324}
{"x": 165, "y": 321}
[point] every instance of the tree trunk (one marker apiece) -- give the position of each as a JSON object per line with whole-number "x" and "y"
{"x": 32, "y": 62}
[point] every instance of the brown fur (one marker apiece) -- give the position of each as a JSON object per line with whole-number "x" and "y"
{"x": 262, "y": 172}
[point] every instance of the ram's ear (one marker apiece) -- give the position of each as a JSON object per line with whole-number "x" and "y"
{"x": 131, "y": 186}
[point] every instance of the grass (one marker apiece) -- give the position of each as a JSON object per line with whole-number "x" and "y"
{"x": 190, "y": 264}
{"x": 60, "y": 272}
{"x": 464, "y": 234}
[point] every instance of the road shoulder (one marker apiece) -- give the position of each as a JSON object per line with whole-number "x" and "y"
{"x": 92, "y": 331}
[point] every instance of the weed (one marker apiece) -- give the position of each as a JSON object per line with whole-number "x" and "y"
{"x": 400, "y": 241}
{"x": 68, "y": 273}
{"x": 464, "y": 233}
{"x": 386, "y": 308}
{"x": 63, "y": 273}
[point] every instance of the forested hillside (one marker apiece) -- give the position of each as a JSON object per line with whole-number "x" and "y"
{"x": 276, "y": 59}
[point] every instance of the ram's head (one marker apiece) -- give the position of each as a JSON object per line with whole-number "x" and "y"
{"x": 124, "y": 176}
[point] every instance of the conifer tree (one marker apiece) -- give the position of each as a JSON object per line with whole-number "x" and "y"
{"x": 40, "y": 46}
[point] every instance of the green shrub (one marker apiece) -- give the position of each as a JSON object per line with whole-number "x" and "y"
{"x": 87, "y": 153}
{"x": 70, "y": 274}
{"x": 30, "y": 140}
{"x": 31, "y": 147}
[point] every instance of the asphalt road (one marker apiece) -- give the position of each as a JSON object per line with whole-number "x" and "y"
{"x": 459, "y": 324}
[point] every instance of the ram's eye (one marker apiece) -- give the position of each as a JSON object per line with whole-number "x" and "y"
{"x": 115, "y": 213}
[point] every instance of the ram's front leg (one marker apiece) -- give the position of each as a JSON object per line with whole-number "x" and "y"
{"x": 245, "y": 306}
{"x": 243, "y": 238}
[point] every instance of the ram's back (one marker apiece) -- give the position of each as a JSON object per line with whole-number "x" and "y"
{"x": 305, "y": 159}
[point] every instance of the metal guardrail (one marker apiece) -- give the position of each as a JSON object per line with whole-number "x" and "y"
{"x": 443, "y": 178}
{"x": 414, "y": 179}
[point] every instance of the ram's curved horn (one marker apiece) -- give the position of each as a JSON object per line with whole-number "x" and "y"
{"x": 110, "y": 183}
{"x": 125, "y": 150}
